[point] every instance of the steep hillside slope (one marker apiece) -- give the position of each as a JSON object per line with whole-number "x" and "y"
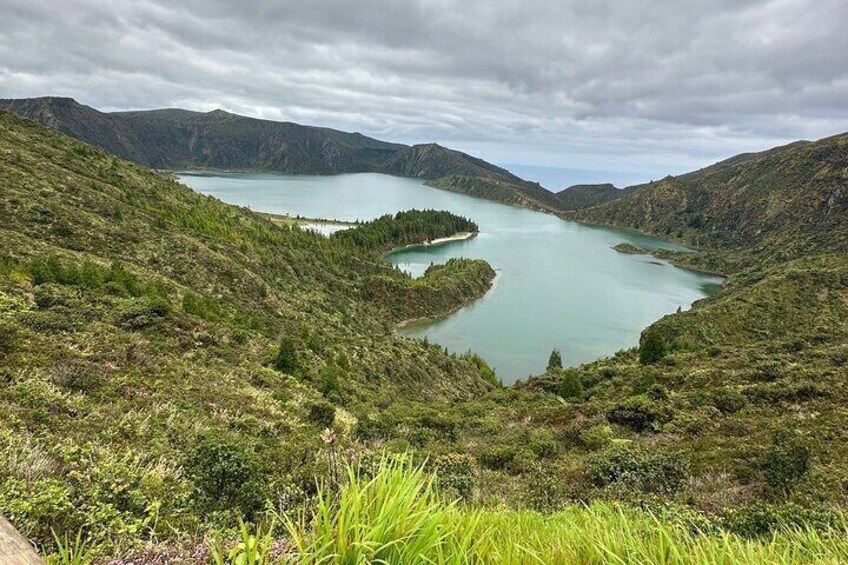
{"x": 432, "y": 161}
{"x": 140, "y": 320}
{"x": 798, "y": 192}
{"x": 731, "y": 413}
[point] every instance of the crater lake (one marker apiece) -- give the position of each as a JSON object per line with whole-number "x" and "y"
{"x": 559, "y": 284}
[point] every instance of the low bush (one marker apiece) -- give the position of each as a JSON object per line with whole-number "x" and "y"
{"x": 322, "y": 414}
{"x": 639, "y": 413}
{"x": 638, "y": 471}
{"x": 455, "y": 473}
{"x": 786, "y": 462}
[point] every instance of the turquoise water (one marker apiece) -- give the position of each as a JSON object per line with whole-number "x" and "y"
{"x": 559, "y": 283}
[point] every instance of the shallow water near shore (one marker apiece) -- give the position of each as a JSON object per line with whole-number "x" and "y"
{"x": 560, "y": 284}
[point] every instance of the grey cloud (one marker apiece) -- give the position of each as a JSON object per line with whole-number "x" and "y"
{"x": 650, "y": 85}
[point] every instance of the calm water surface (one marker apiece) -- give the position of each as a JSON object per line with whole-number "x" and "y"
{"x": 559, "y": 283}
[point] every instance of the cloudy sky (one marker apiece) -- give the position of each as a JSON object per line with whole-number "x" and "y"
{"x": 622, "y": 90}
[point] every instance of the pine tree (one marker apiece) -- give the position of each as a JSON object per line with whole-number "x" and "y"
{"x": 555, "y": 360}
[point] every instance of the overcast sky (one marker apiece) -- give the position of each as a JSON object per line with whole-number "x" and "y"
{"x": 629, "y": 90}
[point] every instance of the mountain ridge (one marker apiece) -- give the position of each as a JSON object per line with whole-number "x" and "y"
{"x": 178, "y": 139}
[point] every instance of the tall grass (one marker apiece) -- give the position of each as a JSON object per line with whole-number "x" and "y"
{"x": 396, "y": 516}
{"x": 71, "y": 550}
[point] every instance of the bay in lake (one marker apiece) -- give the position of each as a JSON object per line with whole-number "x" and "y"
{"x": 559, "y": 284}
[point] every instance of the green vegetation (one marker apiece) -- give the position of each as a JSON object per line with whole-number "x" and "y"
{"x": 555, "y": 360}
{"x": 653, "y": 348}
{"x": 172, "y": 365}
{"x": 397, "y": 515}
{"x": 169, "y": 362}
{"x": 405, "y": 228}
{"x": 511, "y": 190}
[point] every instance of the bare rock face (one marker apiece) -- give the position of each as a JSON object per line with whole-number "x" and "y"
{"x": 15, "y": 549}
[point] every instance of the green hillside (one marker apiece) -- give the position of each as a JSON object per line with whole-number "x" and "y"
{"x": 731, "y": 412}
{"x": 147, "y": 331}
{"x": 794, "y": 197}
{"x": 172, "y": 364}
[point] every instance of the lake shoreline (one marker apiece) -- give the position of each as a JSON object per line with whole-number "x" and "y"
{"x": 439, "y": 241}
{"x": 405, "y": 324}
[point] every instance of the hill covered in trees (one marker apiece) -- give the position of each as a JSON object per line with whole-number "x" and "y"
{"x": 405, "y": 228}
{"x": 512, "y": 192}
{"x": 793, "y": 197}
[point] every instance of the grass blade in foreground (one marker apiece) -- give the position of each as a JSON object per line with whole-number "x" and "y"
{"x": 398, "y": 517}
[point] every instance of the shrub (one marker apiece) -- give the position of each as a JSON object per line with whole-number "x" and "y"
{"x": 497, "y": 458}
{"x": 543, "y": 444}
{"x": 596, "y": 437}
{"x": 652, "y": 349}
{"x": 786, "y": 392}
{"x": 547, "y": 489}
{"x": 728, "y": 401}
{"x": 226, "y": 475}
{"x": 202, "y": 307}
{"x": 331, "y": 387}
{"x": 661, "y": 473}
{"x": 286, "y": 359}
{"x": 455, "y": 473}
{"x": 8, "y": 336}
{"x": 571, "y": 388}
{"x": 48, "y": 321}
{"x": 639, "y": 413}
{"x": 760, "y": 520}
{"x": 785, "y": 462}
{"x": 143, "y": 313}
{"x": 322, "y": 414}
{"x": 370, "y": 427}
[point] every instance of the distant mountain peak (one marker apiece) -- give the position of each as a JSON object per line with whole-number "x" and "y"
{"x": 218, "y": 112}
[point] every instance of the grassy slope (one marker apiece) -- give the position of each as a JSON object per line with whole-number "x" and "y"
{"x": 697, "y": 428}
{"x": 110, "y": 374}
